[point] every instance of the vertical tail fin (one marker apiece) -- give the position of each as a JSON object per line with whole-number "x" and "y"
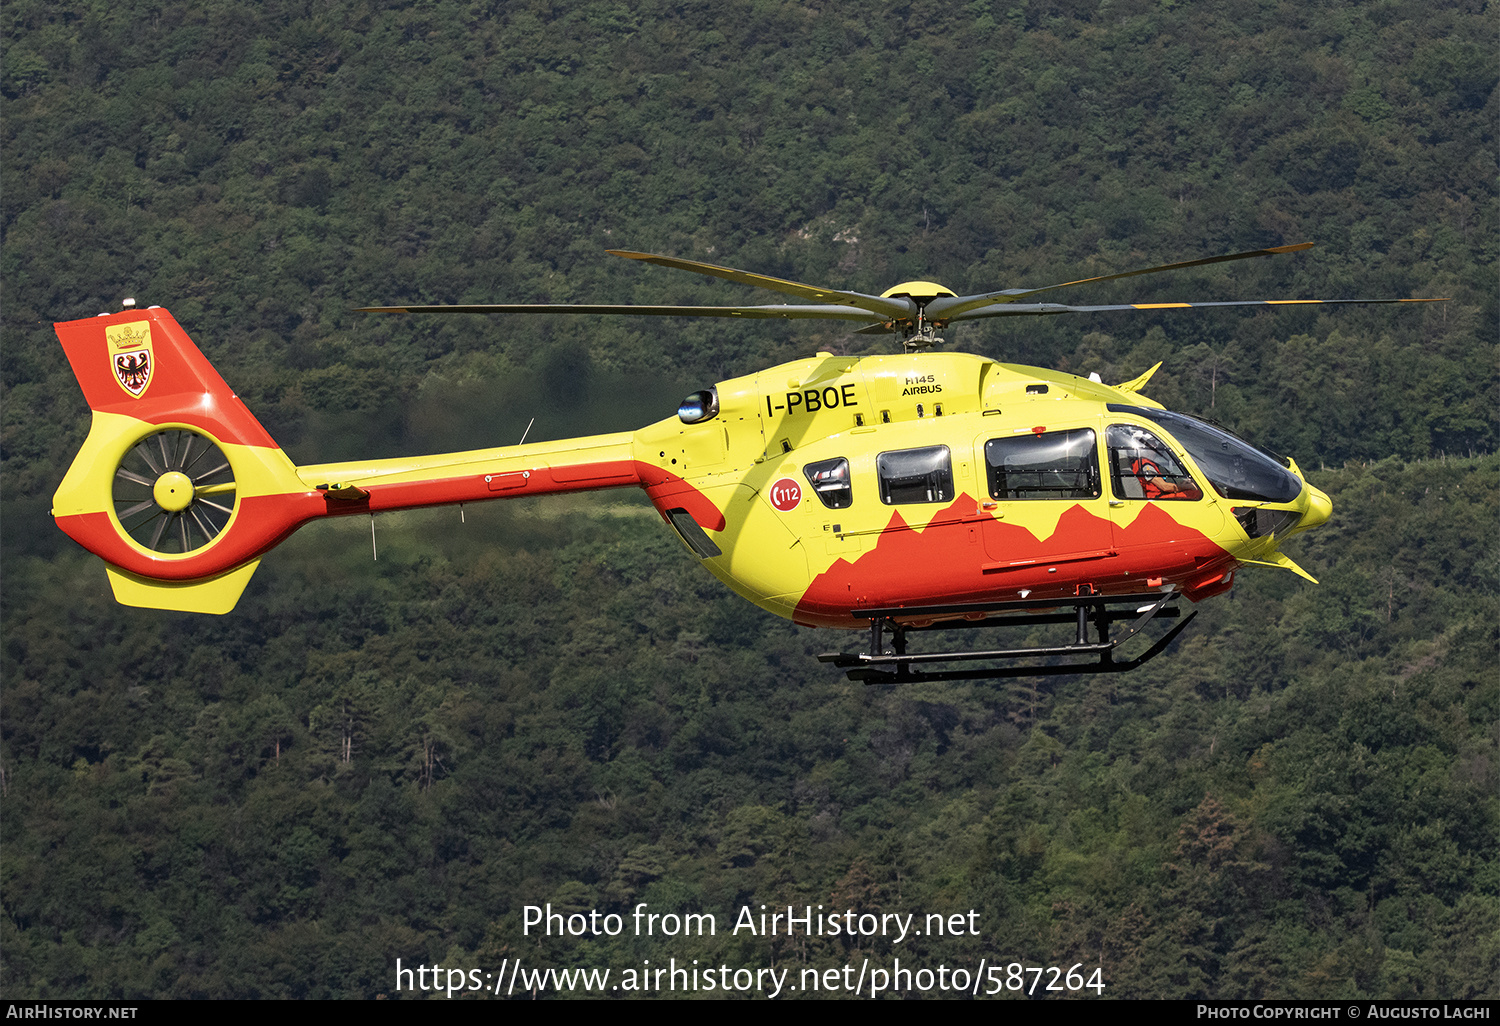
{"x": 141, "y": 364}
{"x": 178, "y": 487}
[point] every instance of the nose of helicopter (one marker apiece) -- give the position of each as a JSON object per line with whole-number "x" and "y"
{"x": 1319, "y": 508}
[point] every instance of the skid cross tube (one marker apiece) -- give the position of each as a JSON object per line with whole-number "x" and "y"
{"x": 877, "y": 665}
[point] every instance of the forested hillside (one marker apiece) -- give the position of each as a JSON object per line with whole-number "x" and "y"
{"x": 551, "y": 702}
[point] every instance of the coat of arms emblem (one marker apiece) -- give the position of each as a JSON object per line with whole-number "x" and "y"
{"x": 130, "y": 355}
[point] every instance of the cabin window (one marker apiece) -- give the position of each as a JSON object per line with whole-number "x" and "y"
{"x": 1142, "y": 467}
{"x": 915, "y": 475}
{"x": 830, "y": 482}
{"x": 1050, "y": 465}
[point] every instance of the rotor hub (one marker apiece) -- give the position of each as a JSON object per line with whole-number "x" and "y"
{"x": 921, "y": 291}
{"x": 173, "y": 491}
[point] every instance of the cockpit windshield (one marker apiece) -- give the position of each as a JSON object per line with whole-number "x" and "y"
{"x": 1235, "y": 468}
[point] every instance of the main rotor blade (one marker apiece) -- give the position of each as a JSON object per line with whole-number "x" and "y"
{"x": 946, "y": 308}
{"x": 1043, "y": 309}
{"x": 886, "y": 308}
{"x": 823, "y": 311}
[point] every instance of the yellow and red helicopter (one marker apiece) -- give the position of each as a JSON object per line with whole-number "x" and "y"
{"x": 893, "y": 493}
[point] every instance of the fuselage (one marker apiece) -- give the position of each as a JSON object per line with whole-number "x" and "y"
{"x": 814, "y": 489}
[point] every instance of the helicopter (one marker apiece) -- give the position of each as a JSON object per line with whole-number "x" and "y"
{"x": 893, "y": 494}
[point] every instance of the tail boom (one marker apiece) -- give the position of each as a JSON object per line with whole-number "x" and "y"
{"x": 543, "y": 468}
{"x": 157, "y": 401}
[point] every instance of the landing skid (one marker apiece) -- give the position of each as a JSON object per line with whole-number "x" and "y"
{"x": 878, "y": 666}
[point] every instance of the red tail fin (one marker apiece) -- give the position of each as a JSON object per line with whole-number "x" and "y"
{"x": 177, "y": 486}
{"x": 141, "y": 363}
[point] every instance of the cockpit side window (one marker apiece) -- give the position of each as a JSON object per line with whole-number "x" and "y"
{"x": 915, "y": 475}
{"x": 1236, "y": 469}
{"x": 1142, "y": 467}
{"x": 830, "y": 482}
{"x": 1050, "y": 465}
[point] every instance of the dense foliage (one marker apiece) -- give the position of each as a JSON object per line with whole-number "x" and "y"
{"x": 551, "y": 703}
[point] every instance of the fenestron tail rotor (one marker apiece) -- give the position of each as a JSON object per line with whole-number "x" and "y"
{"x": 174, "y": 491}
{"x": 915, "y": 310}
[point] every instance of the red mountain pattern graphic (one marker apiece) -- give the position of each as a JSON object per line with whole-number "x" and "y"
{"x": 950, "y": 561}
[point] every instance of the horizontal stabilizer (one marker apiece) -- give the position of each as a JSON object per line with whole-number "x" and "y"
{"x": 212, "y": 595}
